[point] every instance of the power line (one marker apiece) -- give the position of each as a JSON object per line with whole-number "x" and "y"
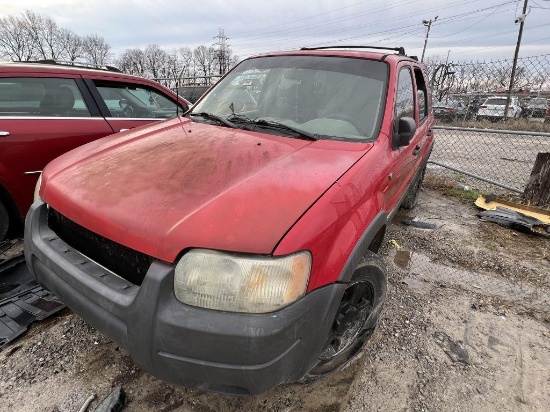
{"x": 302, "y": 19}
{"x": 488, "y": 36}
{"x": 492, "y": 47}
{"x": 457, "y": 17}
{"x": 469, "y": 27}
{"x": 257, "y": 38}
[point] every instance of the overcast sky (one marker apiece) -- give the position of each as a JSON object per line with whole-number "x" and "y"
{"x": 470, "y": 29}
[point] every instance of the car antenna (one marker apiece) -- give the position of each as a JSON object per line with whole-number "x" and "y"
{"x": 177, "y": 98}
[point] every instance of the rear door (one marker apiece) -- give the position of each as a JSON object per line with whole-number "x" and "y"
{"x": 42, "y": 117}
{"x": 126, "y": 105}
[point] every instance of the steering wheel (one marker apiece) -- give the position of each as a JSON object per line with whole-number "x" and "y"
{"x": 345, "y": 118}
{"x": 128, "y": 111}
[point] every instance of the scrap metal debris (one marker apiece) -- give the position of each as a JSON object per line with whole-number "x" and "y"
{"x": 454, "y": 350}
{"x": 22, "y": 300}
{"x": 523, "y": 218}
{"x": 491, "y": 202}
{"x": 515, "y": 220}
{"x": 7, "y": 245}
{"x": 114, "y": 402}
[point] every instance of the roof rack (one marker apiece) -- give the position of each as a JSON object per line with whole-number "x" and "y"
{"x": 399, "y": 50}
{"x": 81, "y": 65}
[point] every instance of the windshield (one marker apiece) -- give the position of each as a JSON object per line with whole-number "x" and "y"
{"x": 328, "y": 97}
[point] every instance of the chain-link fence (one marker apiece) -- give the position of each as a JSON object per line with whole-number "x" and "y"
{"x": 489, "y": 134}
{"x": 190, "y": 88}
{"x": 500, "y": 158}
{"x": 476, "y": 80}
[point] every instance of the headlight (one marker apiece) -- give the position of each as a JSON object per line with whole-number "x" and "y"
{"x": 240, "y": 283}
{"x": 37, "y": 188}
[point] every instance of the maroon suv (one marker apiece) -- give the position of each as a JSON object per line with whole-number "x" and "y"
{"x": 49, "y": 109}
{"x": 234, "y": 249}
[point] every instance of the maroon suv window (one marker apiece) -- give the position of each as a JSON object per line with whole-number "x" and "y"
{"x": 41, "y": 97}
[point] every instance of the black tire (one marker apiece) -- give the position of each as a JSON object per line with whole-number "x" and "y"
{"x": 4, "y": 221}
{"x": 411, "y": 198}
{"x": 356, "y": 318}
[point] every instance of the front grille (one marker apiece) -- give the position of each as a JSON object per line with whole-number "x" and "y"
{"x": 121, "y": 260}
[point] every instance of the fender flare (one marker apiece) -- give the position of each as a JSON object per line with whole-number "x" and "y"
{"x": 378, "y": 223}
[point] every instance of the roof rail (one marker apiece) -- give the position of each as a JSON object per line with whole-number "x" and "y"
{"x": 399, "y": 50}
{"x": 80, "y": 65}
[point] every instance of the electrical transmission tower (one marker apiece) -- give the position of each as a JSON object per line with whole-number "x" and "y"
{"x": 222, "y": 52}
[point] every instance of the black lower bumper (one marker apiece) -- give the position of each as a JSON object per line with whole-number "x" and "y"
{"x": 213, "y": 350}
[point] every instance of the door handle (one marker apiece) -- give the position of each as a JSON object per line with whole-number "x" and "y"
{"x": 416, "y": 150}
{"x": 123, "y": 130}
{"x": 4, "y": 133}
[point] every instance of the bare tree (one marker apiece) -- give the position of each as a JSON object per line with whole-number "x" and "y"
{"x": 96, "y": 49}
{"x": 72, "y": 45}
{"x": 185, "y": 58}
{"x": 155, "y": 60}
{"x": 174, "y": 67}
{"x": 132, "y": 61}
{"x": 15, "y": 42}
{"x": 205, "y": 60}
{"x": 45, "y": 35}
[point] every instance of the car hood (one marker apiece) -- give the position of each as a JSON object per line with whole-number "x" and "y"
{"x": 180, "y": 184}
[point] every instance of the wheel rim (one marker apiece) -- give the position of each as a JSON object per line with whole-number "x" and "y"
{"x": 350, "y": 322}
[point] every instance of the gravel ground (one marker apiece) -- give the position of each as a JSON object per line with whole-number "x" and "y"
{"x": 466, "y": 326}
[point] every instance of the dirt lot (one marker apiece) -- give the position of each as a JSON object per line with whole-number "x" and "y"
{"x": 466, "y": 327}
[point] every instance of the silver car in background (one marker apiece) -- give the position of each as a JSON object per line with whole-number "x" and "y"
{"x": 494, "y": 107}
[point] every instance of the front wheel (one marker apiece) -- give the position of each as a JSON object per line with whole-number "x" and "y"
{"x": 355, "y": 319}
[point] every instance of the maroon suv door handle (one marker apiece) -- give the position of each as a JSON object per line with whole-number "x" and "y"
{"x": 416, "y": 150}
{"x": 4, "y": 133}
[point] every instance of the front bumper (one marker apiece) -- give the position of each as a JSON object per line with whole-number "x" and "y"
{"x": 212, "y": 350}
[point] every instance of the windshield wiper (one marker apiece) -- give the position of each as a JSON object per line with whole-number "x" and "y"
{"x": 281, "y": 126}
{"x": 234, "y": 117}
{"x": 216, "y": 118}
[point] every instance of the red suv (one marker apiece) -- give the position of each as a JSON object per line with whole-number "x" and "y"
{"x": 49, "y": 109}
{"x": 234, "y": 249}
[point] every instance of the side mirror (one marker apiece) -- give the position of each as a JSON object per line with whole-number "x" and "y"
{"x": 405, "y": 132}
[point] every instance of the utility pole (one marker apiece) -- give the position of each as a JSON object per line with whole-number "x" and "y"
{"x": 521, "y": 21}
{"x": 427, "y": 23}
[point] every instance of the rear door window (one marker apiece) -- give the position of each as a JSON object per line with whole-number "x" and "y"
{"x": 41, "y": 97}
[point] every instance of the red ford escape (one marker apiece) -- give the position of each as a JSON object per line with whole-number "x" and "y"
{"x": 47, "y": 109}
{"x": 234, "y": 249}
